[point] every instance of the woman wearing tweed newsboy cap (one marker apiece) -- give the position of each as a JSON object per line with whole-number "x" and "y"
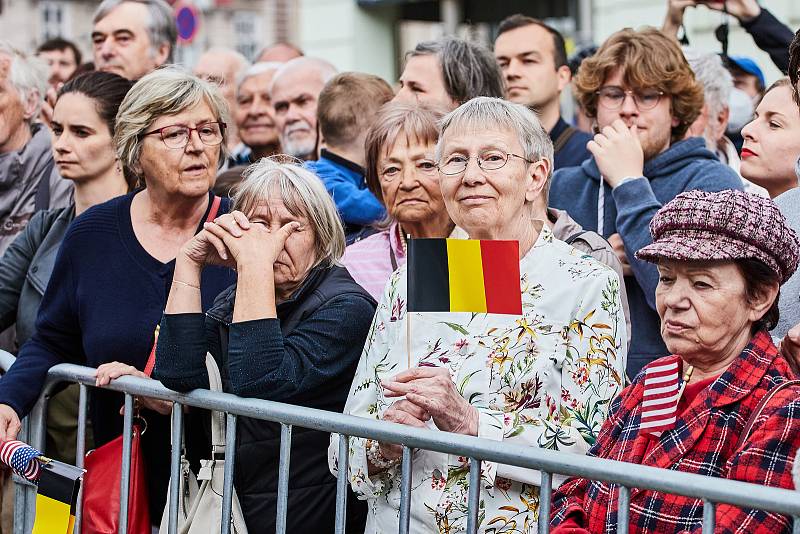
{"x": 724, "y": 403}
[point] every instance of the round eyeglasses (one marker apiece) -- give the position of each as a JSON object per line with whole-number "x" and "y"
{"x": 488, "y": 161}
{"x": 177, "y": 135}
{"x": 614, "y": 97}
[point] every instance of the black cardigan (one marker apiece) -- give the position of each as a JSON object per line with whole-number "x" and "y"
{"x": 307, "y": 356}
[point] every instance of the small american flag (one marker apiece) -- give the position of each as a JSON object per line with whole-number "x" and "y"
{"x": 662, "y": 391}
{"x": 22, "y": 458}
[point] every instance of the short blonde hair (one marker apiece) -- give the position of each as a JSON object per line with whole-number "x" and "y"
{"x": 165, "y": 91}
{"x": 303, "y": 194}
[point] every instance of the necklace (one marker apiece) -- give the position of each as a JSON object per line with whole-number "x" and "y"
{"x": 403, "y": 243}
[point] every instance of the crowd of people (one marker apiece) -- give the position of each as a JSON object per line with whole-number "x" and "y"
{"x": 261, "y": 213}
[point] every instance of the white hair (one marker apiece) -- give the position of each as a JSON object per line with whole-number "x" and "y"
{"x": 27, "y": 75}
{"x": 161, "y": 26}
{"x": 236, "y": 57}
{"x": 487, "y": 113}
{"x": 325, "y": 69}
{"x": 716, "y": 79}
{"x": 255, "y": 69}
{"x": 303, "y": 194}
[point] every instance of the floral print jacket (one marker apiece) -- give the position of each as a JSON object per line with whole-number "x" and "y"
{"x": 543, "y": 379}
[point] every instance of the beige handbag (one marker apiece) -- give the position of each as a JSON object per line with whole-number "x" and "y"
{"x": 200, "y": 506}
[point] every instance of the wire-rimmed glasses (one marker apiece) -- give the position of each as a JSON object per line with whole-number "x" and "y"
{"x": 177, "y": 135}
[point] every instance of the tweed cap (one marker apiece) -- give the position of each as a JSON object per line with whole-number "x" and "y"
{"x": 728, "y": 225}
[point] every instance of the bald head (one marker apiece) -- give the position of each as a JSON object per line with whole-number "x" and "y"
{"x": 294, "y": 92}
{"x": 280, "y": 52}
{"x": 222, "y": 66}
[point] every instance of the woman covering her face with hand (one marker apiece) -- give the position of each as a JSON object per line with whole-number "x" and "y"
{"x": 290, "y": 330}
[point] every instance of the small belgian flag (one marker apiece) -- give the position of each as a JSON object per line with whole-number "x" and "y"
{"x": 464, "y": 275}
{"x": 56, "y": 498}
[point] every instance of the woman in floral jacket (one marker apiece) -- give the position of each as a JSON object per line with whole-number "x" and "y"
{"x": 542, "y": 379}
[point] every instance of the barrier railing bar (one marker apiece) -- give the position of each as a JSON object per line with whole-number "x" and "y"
{"x": 474, "y": 495}
{"x": 283, "y": 478}
{"x": 736, "y": 493}
{"x": 545, "y": 495}
{"x": 623, "y": 510}
{"x": 709, "y": 516}
{"x": 175, "y": 467}
{"x": 227, "y": 485}
{"x": 405, "y": 490}
{"x": 733, "y": 492}
{"x": 124, "y": 481}
{"x": 342, "y": 483}
{"x": 23, "y": 492}
{"x": 80, "y": 448}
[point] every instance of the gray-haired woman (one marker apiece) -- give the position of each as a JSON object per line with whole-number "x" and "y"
{"x": 291, "y": 330}
{"x": 114, "y": 270}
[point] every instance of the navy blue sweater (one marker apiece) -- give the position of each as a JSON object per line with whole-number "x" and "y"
{"x": 627, "y": 210}
{"x": 574, "y": 151}
{"x": 103, "y": 301}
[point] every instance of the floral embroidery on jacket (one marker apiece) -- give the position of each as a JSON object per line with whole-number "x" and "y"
{"x": 542, "y": 379}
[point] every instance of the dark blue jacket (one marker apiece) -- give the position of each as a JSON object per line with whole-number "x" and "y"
{"x": 627, "y": 210}
{"x": 344, "y": 180}
{"x": 574, "y": 151}
{"x": 103, "y": 301}
{"x": 307, "y": 356}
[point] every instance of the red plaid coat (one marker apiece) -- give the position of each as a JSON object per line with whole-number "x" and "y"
{"x": 704, "y": 441}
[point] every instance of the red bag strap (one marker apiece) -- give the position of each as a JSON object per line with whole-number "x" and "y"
{"x": 151, "y": 360}
{"x": 212, "y": 213}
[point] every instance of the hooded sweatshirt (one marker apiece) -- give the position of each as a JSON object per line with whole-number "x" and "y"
{"x": 627, "y": 211}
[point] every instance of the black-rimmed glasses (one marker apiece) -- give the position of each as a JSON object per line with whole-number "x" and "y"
{"x": 177, "y": 135}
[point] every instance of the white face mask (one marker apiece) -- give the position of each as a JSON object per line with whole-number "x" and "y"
{"x": 797, "y": 170}
{"x": 741, "y": 107}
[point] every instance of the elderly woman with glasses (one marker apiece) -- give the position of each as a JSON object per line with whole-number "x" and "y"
{"x": 290, "y": 330}
{"x": 725, "y": 403}
{"x": 543, "y": 378}
{"x": 401, "y": 172}
{"x": 115, "y": 268}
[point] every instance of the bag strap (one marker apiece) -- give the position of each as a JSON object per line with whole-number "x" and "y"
{"x": 564, "y": 138}
{"x": 42, "y": 199}
{"x": 574, "y": 237}
{"x": 217, "y": 418}
{"x": 151, "y": 360}
{"x": 757, "y": 412}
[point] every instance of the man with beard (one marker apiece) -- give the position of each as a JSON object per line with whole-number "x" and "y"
{"x": 643, "y": 96}
{"x": 133, "y": 37}
{"x": 294, "y": 92}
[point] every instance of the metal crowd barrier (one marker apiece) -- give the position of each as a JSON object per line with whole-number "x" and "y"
{"x": 710, "y": 489}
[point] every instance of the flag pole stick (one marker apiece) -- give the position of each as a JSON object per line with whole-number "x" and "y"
{"x": 408, "y": 337}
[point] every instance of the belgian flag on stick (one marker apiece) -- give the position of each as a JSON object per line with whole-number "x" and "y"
{"x": 56, "y": 499}
{"x": 464, "y": 275}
